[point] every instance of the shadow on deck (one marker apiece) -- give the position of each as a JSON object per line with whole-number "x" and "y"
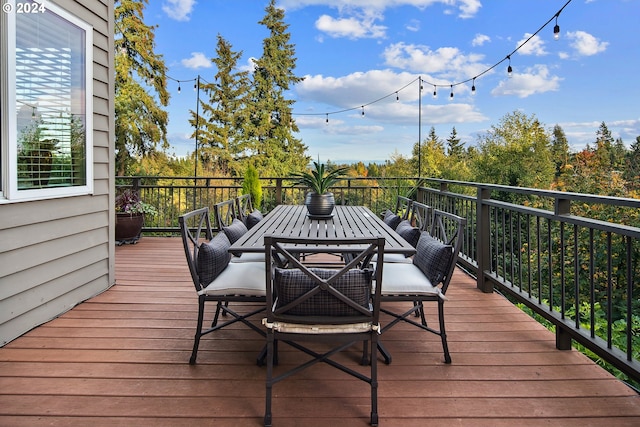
{"x": 121, "y": 359}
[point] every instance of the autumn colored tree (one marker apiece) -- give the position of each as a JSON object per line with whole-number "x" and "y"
{"x": 140, "y": 86}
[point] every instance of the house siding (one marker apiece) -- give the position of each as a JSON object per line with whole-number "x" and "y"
{"x": 57, "y": 253}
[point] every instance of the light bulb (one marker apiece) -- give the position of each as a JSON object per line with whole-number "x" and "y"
{"x": 435, "y": 94}
{"x": 556, "y": 32}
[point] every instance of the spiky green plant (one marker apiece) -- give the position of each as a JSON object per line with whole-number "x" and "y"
{"x": 319, "y": 179}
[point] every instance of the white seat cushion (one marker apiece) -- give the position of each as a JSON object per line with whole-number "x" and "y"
{"x": 392, "y": 258}
{"x": 249, "y": 257}
{"x": 239, "y": 278}
{"x": 406, "y": 279}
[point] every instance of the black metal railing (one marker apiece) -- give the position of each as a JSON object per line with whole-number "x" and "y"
{"x": 573, "y": 259}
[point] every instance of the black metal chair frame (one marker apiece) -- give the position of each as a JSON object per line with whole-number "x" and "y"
{"x": 449, "y": 229}
{"x": 244, "y": 206}
{"x": 421, "y": 215}
{"x": 225, "y": 212}
{"x": 195, "y": 226}
{"x": 280, "y": 246}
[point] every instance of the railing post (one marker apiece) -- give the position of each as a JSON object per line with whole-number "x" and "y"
{"x": 563, "y": 339}
{"x": 278, "y": 191}
{"x": 562, "y": 207}
{"x": 483, "y": 240}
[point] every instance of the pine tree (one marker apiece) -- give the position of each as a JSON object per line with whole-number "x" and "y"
{"x": 431, "y": 154}
{"x": 274, "y": 149}
{"x": 632, "y": 167}
{"x": 140, "y": 86}
{"x": 223, "y": 115}
{"x": 559, "y": 149}
{"x": 456, "y": 148}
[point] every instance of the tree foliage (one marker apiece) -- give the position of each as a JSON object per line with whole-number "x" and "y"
{"x": 515, "y": 152}
{"x": 140, "y": 86}
{"x": 219, "y": 130}
{"x": 273, "y": 147}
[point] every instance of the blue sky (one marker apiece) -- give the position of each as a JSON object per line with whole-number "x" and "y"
{"x": 356, "y": 52}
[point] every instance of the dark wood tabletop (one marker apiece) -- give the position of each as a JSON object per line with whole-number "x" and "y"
{"x": 346, "y": 222}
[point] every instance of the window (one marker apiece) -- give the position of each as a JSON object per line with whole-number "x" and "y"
{"x": 47, "y": 72}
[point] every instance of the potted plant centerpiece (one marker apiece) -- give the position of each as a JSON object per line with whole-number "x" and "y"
{"x": 130, "y": 212}
{"x": 319, "y": 201}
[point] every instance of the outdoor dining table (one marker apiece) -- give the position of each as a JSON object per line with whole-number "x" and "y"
{"x": 345, "y": 222}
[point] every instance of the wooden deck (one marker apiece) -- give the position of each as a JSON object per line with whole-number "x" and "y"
{"x": 121, "y": 359}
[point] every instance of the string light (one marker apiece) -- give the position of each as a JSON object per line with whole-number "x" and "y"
{"x": 556, "y": 35}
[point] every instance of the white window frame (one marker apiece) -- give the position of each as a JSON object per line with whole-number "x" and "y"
{"x": 9, "y": 191}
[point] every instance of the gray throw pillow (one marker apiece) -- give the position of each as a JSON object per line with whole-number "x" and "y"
{"x": 391, "y": 219}
{"x": 213, "y": 258}
{"x": 234, "y": 231}
{"x": 408, "y": 232}
{"x": 432, "y": 258}
{"x": 253, "y": 218}
{"x": 292, "y": 283}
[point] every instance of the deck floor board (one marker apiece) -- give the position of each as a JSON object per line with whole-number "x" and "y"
{"x": 121, "y": 359}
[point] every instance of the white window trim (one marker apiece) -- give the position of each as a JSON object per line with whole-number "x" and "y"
{"x": 10, "y": 192}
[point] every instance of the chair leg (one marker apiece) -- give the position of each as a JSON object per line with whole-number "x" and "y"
{"x": 217, "y": 315}
{"x": 269, "y": 382}
{"x": 443, "y": 334}
{"x": 374, "y": 382}
{"x": 196, "y": 340}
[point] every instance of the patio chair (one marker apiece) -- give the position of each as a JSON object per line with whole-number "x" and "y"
{"x": 247, "y": 214}
{"x": 216, "y": 279}
{"x": 420, "y": 215}
{"x": 225, "y": 212}
{"x": 318, "y": 305}
{"x": 427, "y": 278}
{"x": 401, "y": 208}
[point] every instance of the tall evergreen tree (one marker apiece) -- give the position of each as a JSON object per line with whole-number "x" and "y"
{"x": 222, "y": 116}
{"x": 559, "y": 149}
{"x": 632, "y": 167}
{"x": 273, "y": 146}
{"x": 455, "y": 146}
{"x": 140, "y": 86}
{"x": 431, "y": 154}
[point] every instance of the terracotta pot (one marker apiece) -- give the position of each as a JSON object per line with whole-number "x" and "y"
{"x": 128, "y": 227}
{"x": 320, "y": 204}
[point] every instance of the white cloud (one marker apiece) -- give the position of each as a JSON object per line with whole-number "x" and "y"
{"x": 480, "y": 39}
{"x": 467, "y": 8}
{"x": 535, "y": 46}
{"x": 353, "y": 28}
{"x": 359, "y": 18}
{"x": 446, "y": 64}
{"x": 178, "y": 9}
{"x": 197, "y": 60}
{"x": 534, "y": 80}
{"x": 413, "y": 25}
{"x": 340, "y": 93}
{"x": 585, "y": 44}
